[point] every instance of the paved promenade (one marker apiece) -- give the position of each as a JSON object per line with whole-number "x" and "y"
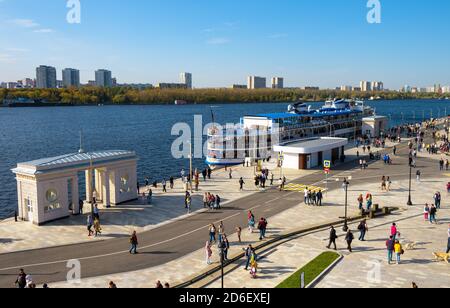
{"x": 278, "y": 264}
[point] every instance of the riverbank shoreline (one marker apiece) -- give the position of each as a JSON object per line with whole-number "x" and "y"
{"x": 60, "y": 104}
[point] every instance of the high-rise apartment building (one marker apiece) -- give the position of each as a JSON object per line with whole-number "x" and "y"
{"x": 103, "y": 78}
{"x": 277, "y": 83}
{"x": 254, "y": 82}
{"x": 71, "y": 78}
{"x": 45, "y": 77}
{"x": 186, "y": 78}
{"x": 365, "y": 86}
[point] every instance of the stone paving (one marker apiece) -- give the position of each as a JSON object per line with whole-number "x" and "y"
{"x": 279, "y": 263}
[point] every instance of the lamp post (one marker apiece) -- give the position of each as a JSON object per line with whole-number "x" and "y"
{"x": 410, "y": 183}
{"x": 190, "y": 167}
{"x": 346, "y": 184}
{"x": 222, "y": 264}
{"x": 91, "y": 183}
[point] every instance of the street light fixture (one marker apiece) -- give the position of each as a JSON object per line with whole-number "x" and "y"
{"x": 410, "y": 182}
{"x": 346, "y": 185}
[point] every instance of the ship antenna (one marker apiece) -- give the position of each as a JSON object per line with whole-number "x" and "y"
{"x": 81, "y": 142}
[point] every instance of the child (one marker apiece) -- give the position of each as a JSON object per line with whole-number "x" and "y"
{"x": 254, "y": 268}
{"x": 426, "y": 212}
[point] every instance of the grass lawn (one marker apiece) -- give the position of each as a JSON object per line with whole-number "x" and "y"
{"x": 311, "y": 270}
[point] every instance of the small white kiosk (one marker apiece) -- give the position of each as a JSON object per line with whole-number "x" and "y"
{"x": 47, "y": 189}
{"x": 311, "y": 153}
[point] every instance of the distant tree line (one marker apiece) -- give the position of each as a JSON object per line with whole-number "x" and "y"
{"x": 127, "y": 95}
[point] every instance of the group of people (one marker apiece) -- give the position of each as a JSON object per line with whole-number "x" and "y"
{"x": 261, "y": 179}
{"x": 211, "y": 201}
{"x": 94, "y": 221}
{"x": 369, "y": 201}
{"x": 25, "y": 281}
{"x": 223, "y": 245}
{"x": 386, "y": 183}
{"x": 430, "y": 211}
{"x": 313, "y": 197}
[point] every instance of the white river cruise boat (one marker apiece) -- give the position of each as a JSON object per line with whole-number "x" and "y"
{"x": 256, "y": 135}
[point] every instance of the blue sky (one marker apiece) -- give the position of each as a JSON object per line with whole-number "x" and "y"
{"x": 321, "y": 42}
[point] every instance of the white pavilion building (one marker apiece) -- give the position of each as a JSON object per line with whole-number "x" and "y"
{"x": 48, "y": 188}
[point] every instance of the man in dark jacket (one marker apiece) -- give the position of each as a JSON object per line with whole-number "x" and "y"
{"x": 262, "y": 227}
{"x": 349, "y": 237}
{"x": 21, "y": 281}
{"x": 390, "y": 245}
{"x": 333, "y": 238}
{"x": 134, "y": 243}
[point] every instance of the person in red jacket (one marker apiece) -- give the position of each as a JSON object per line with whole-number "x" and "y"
{"x": 262, "y": 227}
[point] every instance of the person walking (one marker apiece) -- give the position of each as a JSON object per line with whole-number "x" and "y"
{"x": 437, "y": 200}
{"x": 433, "y": 211}
{"x": 221, "y": 231}
{"x": 239, "y": 234}
{"x": 212, "y": 233}
{"x": 90, "y": 223}
{"x": 97, "y": 227}
{"x": 208, "y": 253}
{"x": 394, "y": 231}
{"x": 426, "y": 212}
{"x": 398, "y": 249}
{"x": 241, "y": 184}
{"x": 390, "y": 246}
{"x": 209, "y": 171}
{"x": 21, "y": 281}
{"x": 230, "y": 174}
{"x": 389, "y": 183}
{"x": 134, "y": 243}
{"x": 251, "y": 222}
{"x": 333, "y": 238}
{"x": 360, "y": 202}
{"x": 249, "y": 253}
{"x": 96, "y": 212}
{"x": 205, "y": 200}
{"x": 188, "y": 203}
{"x": 262, "y": 227}
{"x": 418, "y": 175}
{"x": 225, "y": 247}
{"x": 448, "y": 239}
{"x": 164, "y": 185}
{"x": 363, "y": 229}
{"x": 349, "y": 237}
{"x": 171, "y": 182}
{"x": 319, "y": 198}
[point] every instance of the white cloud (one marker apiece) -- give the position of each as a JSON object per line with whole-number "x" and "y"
{"x": 44, "y": 31}
{"x": 25, "y": 23}
{"x": 218, "y": 41}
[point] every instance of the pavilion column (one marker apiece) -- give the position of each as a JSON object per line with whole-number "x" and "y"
{"x": 106, "y": 190}
{"x": 99, "y": 175}
{"x": 75, "y": 196}
{"x": 89, "y": 191}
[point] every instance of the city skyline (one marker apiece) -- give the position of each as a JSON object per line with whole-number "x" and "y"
{"x": 303, "y": 49}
